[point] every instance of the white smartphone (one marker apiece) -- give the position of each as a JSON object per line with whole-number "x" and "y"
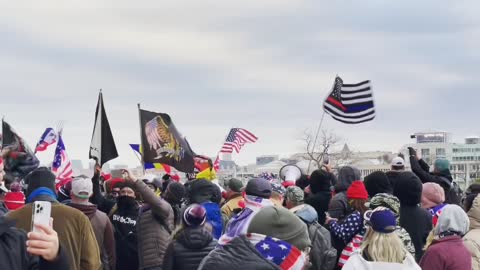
{"x": 41, "y": 212}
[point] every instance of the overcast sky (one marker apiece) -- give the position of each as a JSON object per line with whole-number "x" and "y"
{"x": 261, "y": 65}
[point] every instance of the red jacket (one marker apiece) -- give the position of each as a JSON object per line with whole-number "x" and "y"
{"x": 448, "y": 253}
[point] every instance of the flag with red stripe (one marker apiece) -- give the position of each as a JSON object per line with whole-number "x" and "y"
{"x": 61, "y": 166}
{"x": 236, "y": 139}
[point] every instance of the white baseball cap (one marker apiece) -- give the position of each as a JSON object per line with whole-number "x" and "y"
{"x": 398, "y": 162}
{"x": 82, "y": 187}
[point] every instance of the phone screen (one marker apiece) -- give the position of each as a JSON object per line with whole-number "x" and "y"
{"x": 41, "y": 213}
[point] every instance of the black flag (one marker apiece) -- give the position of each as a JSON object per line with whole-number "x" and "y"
{"x": 102, "y": 147}
{"x": 162, "y": 143}
{"x": 20, "y": 159}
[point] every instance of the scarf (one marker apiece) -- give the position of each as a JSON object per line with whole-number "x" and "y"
{"x": 238, "y": 225}
{"x": 279, "y": 252}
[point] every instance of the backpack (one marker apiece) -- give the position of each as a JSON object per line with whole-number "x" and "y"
{"x": 214, "y": 217}
{"x": 323, "y": 255}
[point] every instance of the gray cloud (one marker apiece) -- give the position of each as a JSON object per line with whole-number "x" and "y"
{"x": 263, "y": 66}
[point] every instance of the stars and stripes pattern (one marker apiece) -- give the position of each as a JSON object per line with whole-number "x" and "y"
{"x": 216, "y": 164}
{"x": 350, "y": 103}
{"x": 278, "y": 252}
{"x": 236, "y": 139}
{"x": 48, "y": 138}
{"x": 61, "y": 166}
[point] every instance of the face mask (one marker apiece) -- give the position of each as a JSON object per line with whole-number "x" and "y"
{"x": 126, "y": 202}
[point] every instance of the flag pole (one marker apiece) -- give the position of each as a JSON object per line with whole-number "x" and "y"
{"x": 141, "y": 141}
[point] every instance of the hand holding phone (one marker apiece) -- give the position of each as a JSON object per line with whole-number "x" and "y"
{"x": 41, "y": 212}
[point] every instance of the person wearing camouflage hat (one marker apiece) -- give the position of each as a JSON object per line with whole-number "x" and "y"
{"x": 278, "y": 194}
{"x": 294, "y": 197}
{"x": 393, "y": 204}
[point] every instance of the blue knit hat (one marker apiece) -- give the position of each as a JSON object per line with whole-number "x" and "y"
{"x": 441, "y": 165}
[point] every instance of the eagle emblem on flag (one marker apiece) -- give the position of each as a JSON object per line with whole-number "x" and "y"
{"x": 162, "y": 140}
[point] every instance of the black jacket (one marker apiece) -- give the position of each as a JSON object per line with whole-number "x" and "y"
{"x": 320, "y": 202}
{"x": 239, "y": 254}
{"x": 191, "y": 246}
{"x": 393, "y": 177}
{"x": 14, "y": 255}
{"x": 444, "y": 179}
{"x": 124, "y": 223}
{"x": 103, "y": 204}
{"x": 418, "y": 223}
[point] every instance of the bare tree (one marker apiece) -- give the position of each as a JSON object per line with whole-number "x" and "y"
{"x": 325, "y": 141}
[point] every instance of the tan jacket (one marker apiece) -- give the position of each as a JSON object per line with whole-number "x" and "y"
{"x": 472, "y": 238}
{"x": 74, "y": 232}
{"x": 231, "y": 204}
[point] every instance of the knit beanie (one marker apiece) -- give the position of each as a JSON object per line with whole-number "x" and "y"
{"x": 176, "y": 192}
{"x": 432, "y": 195}
{"x": 40, "y": 177}
{"x": 320, "y": 180}
{"x": 408, "y": 189}
{"x": 357, "y": 191}
{"x": 452, "y": 219}
{"x": 14, "y": 200}
{"x": 259, "y": 187}
{"x": 377, "y": 182}
{"x": 441, "y": 165}
{"x": 280, "y": 223}
{"x": 194, "y": 215}
{"x": 113, "y": 183}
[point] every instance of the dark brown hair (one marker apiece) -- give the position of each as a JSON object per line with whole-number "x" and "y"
{"x": 358, "y": 205}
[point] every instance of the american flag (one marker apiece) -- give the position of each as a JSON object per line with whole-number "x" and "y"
{"x": 62, "y": 166}
{"x": 216, "y": 164}
{"x": 48, "y": 138}
{"x": 350, "y": 103}
{"x": 236, "y": 139}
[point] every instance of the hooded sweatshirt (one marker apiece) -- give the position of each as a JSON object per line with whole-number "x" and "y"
{"x": 339, "y": 207}
{"x": 357, "y": 262}
{"x": 102, "y": 227}
{"x": 417, "y": 221}
{"x": 447, "y": 251}
{"x": 472, "y": 238}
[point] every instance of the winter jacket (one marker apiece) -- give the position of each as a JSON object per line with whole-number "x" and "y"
{"x": 3, "y": 209}
{"x": 393, "y": 177}
{"x": 14, "y": 255}
{"x": 154, "y": 228}
{"x": 348, "y": 228}
{"x": 74, "y": 232}
{"x": 418, "y": 223}
{"x": 124, "y": 221}
{"x": 448, "y": 253}
{"x": 231, "y": 205}
{"x": 189, "y": 249}
{"x": 105, "y": 205}
{"x": 102, "y": 227}
{"x": 444, "y": 179}
{"x": 472, "y": 238}
{"x": 339, "y": 207}
{"x": 357, "y": 262}
{"x": 238, "y": 254}
{"x": 320, "y": 202}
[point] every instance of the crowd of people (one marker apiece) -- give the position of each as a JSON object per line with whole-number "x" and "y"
{"x": 331, "y": 219}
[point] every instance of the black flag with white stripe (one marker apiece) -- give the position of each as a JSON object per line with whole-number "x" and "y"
{"x": 350, "y": 103}
{"x": 102, "y": 147}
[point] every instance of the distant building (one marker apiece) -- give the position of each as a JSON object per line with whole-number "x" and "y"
{"x": 464, "y": 157}
{"x": 263, "y": 160}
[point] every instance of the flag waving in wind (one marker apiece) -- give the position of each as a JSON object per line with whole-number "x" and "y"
{"x": 236, "y": 139}
{"x": 147, "y": 165}
{"x": 102, "y": 147}
{"x": 350, "y": 103}
{"x": 48, "y": 138}
{"x": 162, "y": 143}
{"x": 61, "y": 166}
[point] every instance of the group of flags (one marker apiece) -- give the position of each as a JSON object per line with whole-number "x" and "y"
{"x": 162, "y": 146}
